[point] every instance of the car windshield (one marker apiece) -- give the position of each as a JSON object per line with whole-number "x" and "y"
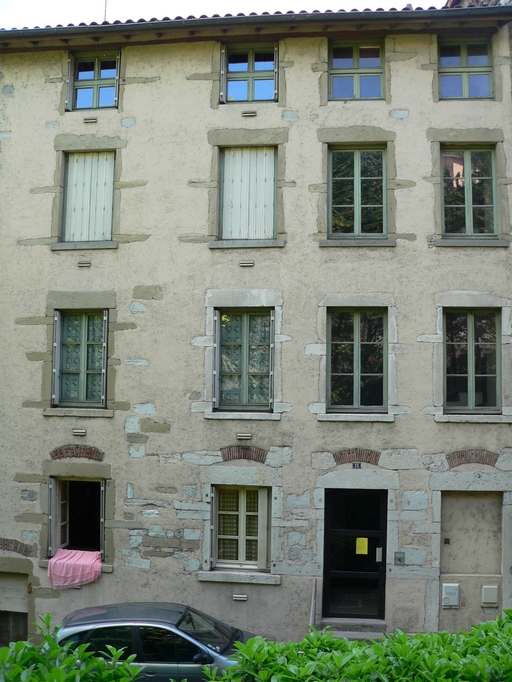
{"x": 212, "y": 633}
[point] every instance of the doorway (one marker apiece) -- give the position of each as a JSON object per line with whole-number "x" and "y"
{"x": 355, "y": 553}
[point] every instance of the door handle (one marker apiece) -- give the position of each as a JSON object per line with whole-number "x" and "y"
{"x": 378, "y": 554}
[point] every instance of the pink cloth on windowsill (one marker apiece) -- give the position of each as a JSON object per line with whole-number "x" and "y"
{"x": 73, "y": 567}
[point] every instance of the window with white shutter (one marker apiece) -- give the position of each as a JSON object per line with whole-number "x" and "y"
{"x": 248, "y": 193}
{"x": 88, "y": 197}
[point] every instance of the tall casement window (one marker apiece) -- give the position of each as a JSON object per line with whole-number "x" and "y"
{"x": 241, "y": 527}
{"x": 88, "y": 197}
{"x": 472, "y": 361}
{"x": 357, "y": 192}
{"x": 77, "y": 513}
{"x": 357, "y": 360}
{"x": 248, "y": 73}
{"x": 356, "y": 71}
{"x": 248, "y": 193}
{"x": 93, "y": 81}
{"x": 465, "y": 70}
{"x": 79, "y": 358}
{"x": 244, "y": 347}
{"x": 469, "y": 179}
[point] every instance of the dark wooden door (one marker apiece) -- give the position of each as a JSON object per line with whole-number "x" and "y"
{"x": 355, "y": 553}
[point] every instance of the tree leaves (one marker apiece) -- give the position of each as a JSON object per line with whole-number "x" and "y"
{"x": 480, "y": 655}
{"x": 51, "y": 662}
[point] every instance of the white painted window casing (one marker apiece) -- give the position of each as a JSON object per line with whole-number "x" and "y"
{"x": 89, "y": 194}
{"x": 248, "y": 193}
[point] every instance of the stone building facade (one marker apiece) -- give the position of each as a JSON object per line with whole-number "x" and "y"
{"x": 256, "y": 317}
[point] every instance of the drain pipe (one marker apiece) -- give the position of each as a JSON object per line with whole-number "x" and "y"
{"x": 312, "y": 612}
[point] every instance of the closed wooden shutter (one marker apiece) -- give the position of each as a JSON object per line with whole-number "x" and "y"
{"x": 248, "y": 193}
{"x": 89, "y": 197}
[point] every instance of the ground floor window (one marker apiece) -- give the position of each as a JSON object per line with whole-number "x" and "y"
{"x": 76, "y": 515}
{"x": 13, "y": 627}
{"x": 241, "y": 527}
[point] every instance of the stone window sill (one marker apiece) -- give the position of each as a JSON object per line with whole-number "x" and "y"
{"x": 247, "y": 244}
{"x": 474, "y": 418}
{"x": 251, "y": 578}
{"x": 472, "y": 242}
{"x": 352, "y": 241}
{"x": 269, "y": 416}
{"x": 105, "y": 568}
{"x": 76, "y": 412}
{"x": 71, "y": 246}
{"x": 355, "y": 417}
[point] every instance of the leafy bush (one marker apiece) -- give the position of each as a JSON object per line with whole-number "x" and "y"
{"x": 484, "y": 654}
{"x": 50, "y": 662}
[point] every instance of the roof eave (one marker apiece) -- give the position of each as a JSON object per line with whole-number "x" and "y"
{"x": 501, "y": 15}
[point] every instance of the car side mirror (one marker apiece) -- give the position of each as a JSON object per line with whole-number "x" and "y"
{"x": 203, "y": 658}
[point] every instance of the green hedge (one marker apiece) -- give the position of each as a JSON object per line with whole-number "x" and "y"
{"x": 484, "y": 654}
{"x": 49, "y": 662}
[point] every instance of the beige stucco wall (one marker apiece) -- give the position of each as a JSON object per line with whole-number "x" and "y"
{"x": 166, "y": 189}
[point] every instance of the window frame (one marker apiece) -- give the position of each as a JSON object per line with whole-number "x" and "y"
{"x": 217, "y": 373}
{"x": 468, "y": 193}
{"x": 471, "y": 373}
{"x": 249, "y": 75}
{"x": 73, "y": 84}
{"x": 223, "y": 193}
{"x": 58, "y": 316}
{"x": 357, "y": 233}
{"x": 357, "y": 71}
{"x": 357, "y": 407}
{"x": 464, "y": 69}
{"x": 264, "y": 528}
{"x": 56, "y": 486}
{"x": 88, "y": 196}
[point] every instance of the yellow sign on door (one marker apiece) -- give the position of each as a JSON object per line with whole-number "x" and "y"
{"x": 361, "y": 545}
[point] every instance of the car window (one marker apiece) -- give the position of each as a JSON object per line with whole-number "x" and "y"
{"x": 119, "y": 636}
{"x": 212, "y": 633}
{"x": 163, "y": 646}
{"x": 73, "y": 640}
{"x": 185, "y": 650}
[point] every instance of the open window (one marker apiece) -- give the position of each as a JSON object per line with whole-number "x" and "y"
{"x": 77, "y": 515}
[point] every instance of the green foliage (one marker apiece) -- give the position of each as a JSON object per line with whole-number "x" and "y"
{"x": 50, "y": 662}
{"x": 481, "y": 655}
